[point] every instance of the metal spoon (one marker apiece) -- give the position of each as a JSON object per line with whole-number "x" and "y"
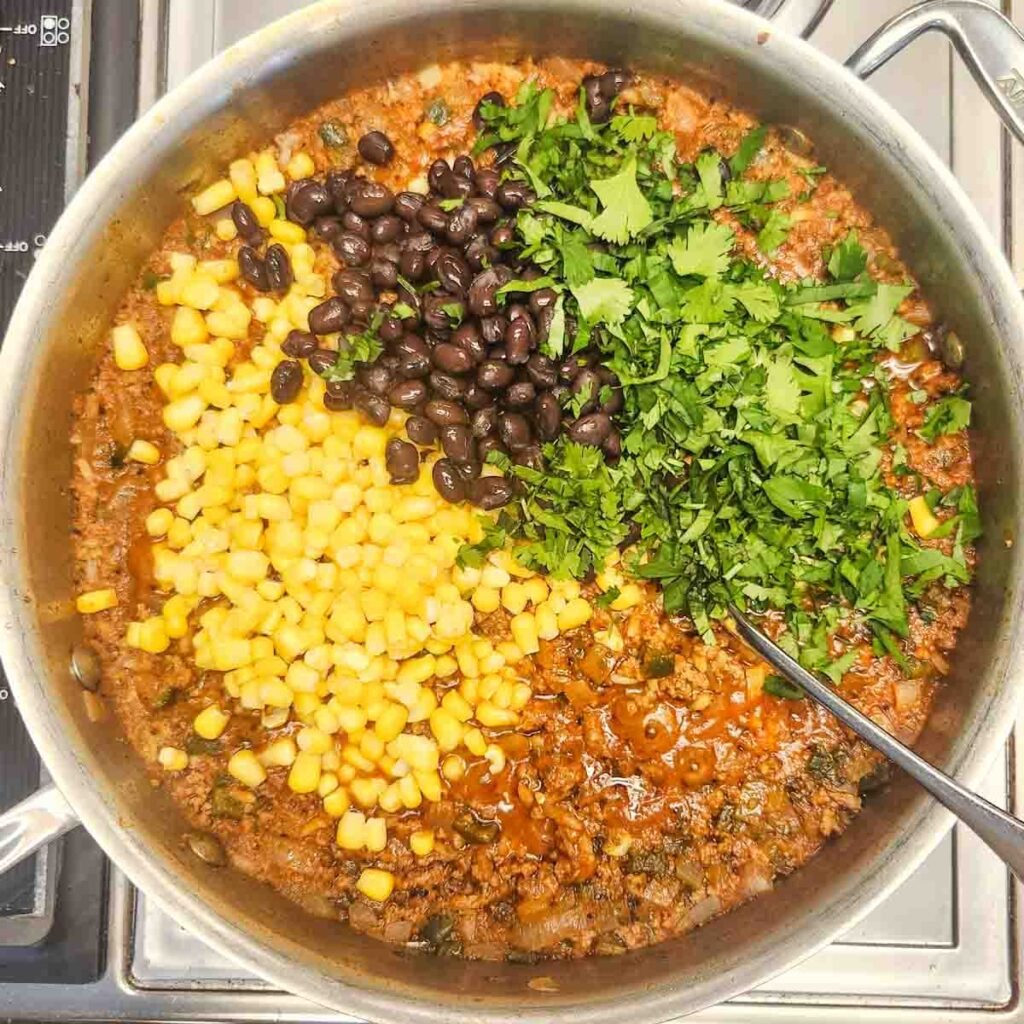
{"x": 1001, "y": 831}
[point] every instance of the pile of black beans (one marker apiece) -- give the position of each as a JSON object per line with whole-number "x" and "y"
{"x": 465, "y": 363}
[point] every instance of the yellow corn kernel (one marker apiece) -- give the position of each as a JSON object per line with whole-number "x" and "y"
{"x": 486, "y": 600}
{"x": 351, "y": 830}
{"x": 245, "y": 767}
{"x": 158, "y": 522}
{"x": 188, "y": 326}
{"x": 417, "y": 670}
{"x": 96, "y": 601}
{"x": 455, "y": 704}
{"x": 366, "y": 791}
{"x": 279, "y": 754}
{"x": 495, "y": 758}
{"x": 375, "y": 835}
{"x": 494, "y": 717}
{"x": 264, "y": 209}
{"x": 143, "y": 451}
{"x": 376, "y": 884}
{"x": 430, "y": 785}
{"x": 921, "y": 516}
{"x": 269, "y": 178}
{"x": 391, "y": 721}
{"x": 514, "y": 597}
{"x": 304, "y": 776}
{"x": 300, "y": 166}
{"x": 336, "y": 802}
{"x": 524, "y": 632}
{"x": 218, "y": 195}
{"x": 210, "y": 722}
{"x": 287, "y": 232}
{"x": 129, "y": 351}
{"x": 629, "y": 597}
{"x": 327, "y": 785}
{"x": 447, "y": 729}
{"x": 243, "y": 177}
{"x": 421, "y": 842}
{"x": 183, "y": 414}
{"x": 574, "y": 614}
{"x": 453, "y": 767}
{"x": 475, "y": 742}
{"x": 409, "y": 791}
{"x": 172, "y": 759}
{"x": 225, "y": 229}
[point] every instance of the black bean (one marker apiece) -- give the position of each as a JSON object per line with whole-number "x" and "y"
{"x": 451, "y": 271}
{"x": 487, "y": 180}
{"x": 487, "y": 210}
{"x": 247, "y": 224}
{"x": 376, "y": 378}
{"x": 612, "y": 82}
{"x": 452, "y": 359}
{"x": 407, "y": 205}
{"x": 502, "y": 236}
{"x": 493, "y": 328}
{"x": 519, "y": 341}
{"x": 421, "y": 430}
{"x": 504, "y": 153}
{"x": 412, "y": 266}
{"x": 469, "y": 470}
{"x": 542, "y": 370}
{"x": 390, "y": 329}
{"x": 376, "y": 148}
{"x": 412, "y": 365}
{"x": 517, "y": 311}
{"x": 362, "y": 310}
{"x": 330, "y": 316}
{"x": 436, "y": 173}
{"x": 351, "y": 249}
{"x": 337, "y": 185}
{"x": 402, "y": 461}
{"x": 410, "y": 342}
{"x": 541, "y": 299}
{"x": 371, "y": 199}
{"x": 479, "y": 252}
{"x": 467, "y": 336}
{"x": 463, "y": 166}
{"x": 435, "y": 316}
{"x": 326, "y": 228}
{"x": 520, "y": 395}
{"x": 383, "y": 273}
{"x": 486, "y": 445}
{"x": 322, "y": 359}
{"x": 457, "y": 442}
{"x": 386, "y": 228}
{"x": 461, "y": 224}
{"x": 612, "y": 446}
{"x": 514, "y": 430}
{"x": 490, "y": 492}
{"x": 592, "y": 429}
{"x": 614, "y": 403}
{"x": 514, "y": 195}
{"x": 353, "y": 285}
{"x": 494, "y": 375}
{"x": 529, "y": 456}
{"x": 547, "y": 415}
{"x": 446, "y": 386}
{"x": 407, "y": 394}
{"x": 286, "y": 381}
{"x": 598, "y": 107}
{"x": 475, "y": 397}
{"x": 357, "y": 225}
{"x": 339, "y": 395}
{"x": 279, "y": 268}
{"x": 308, "y": 200}
{"x": 371, "y": 407}
{"x": 433, "y": 218}
{"x": 433, "y": 254}
{"x": 448, "y": 482}
{"x": 491, "y": 98}
{"x": 444, "y": 411}
{"x": 298, "y": 344}
{"x": 485, "y": 421}
{"x": 586, "y": 385}
{"x": 253, "y": 269}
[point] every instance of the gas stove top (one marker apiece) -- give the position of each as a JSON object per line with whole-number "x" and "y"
{"x": 78, "y": 942}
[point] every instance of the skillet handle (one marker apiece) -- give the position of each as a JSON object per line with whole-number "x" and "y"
{"x": 36, "y": 821}
{"x": 801, "y": 17}
{"x": 987, "y": 41}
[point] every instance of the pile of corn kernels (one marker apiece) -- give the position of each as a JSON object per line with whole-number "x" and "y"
{"x": 339, "y": 614}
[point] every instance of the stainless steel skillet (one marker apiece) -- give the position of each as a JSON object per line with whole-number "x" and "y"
{"x": 249, "y": 93}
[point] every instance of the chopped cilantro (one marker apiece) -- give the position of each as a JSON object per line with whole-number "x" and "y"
{"x": 354, "y": 349}
{"x": 626, "y": 210}
{"x": 947, "y": 416}
{"x": 437, "y": 112}
{"x": 333, "y": 134}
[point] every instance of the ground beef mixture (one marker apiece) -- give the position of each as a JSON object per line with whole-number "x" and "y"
{"x": 645, "y": 789}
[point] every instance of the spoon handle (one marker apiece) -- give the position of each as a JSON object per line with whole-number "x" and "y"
{"x": 1001, "y": 831}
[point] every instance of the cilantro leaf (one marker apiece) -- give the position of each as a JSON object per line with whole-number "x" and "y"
{"x": 775, "y": 232}
{"x": 848, "y": 259}
{"x": 709, "y": 169}
{"x": 634, "y": 127}
{"x": 749, "y": 147}
{"x": 947, "y": 416}
{"x": 626, "y": 209}
{"x": 604, "y": 300}
{"x": 704, "y": 252}
{"x": 355, "y": 349}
